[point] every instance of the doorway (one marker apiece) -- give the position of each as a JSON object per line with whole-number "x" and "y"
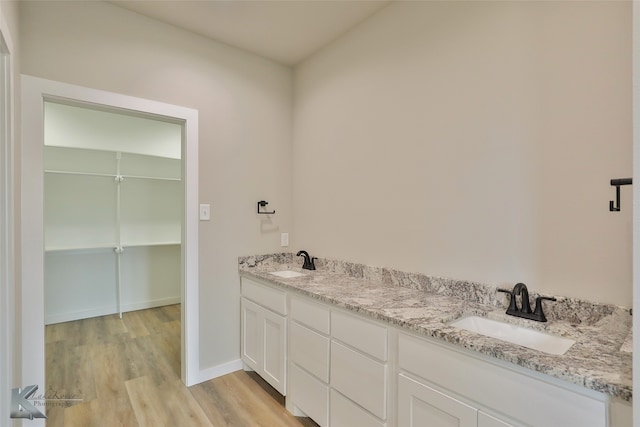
{"x": 112, "y": 212}
{"x": 35, "y": 93}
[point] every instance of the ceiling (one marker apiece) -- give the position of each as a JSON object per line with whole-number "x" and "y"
{"x": 285, "y": 31}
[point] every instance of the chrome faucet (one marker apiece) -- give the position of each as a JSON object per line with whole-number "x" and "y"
{"x": 520, "y": 289}
{"x": 308, "y": 260}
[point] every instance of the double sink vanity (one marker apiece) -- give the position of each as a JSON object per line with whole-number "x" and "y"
{"x": 353, "y": 345}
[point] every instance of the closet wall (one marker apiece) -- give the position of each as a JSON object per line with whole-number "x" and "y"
{"x": 113, "y": 213}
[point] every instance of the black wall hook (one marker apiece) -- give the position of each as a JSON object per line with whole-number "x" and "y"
{"x": 615, "y": 206}
{"x": 262, "y": 203}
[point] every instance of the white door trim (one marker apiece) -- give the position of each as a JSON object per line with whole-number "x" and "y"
{"x": 34, "y": 92}
{"x": 7, "y": 258}
{"x": 636, "y": 206}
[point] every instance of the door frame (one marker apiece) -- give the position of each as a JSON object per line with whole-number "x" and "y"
{"x": 35, "y": 91}
{"x": 7, "y": 209}
{"x": 636, "y": 205}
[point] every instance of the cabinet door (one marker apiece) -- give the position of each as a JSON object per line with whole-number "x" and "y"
{"x": 274, "y": 332}
{"x": 251, "y": 341}
{"x": 486, "y": 420}
{"x": 263, "y": 343}
{"x": 420, "y": 405}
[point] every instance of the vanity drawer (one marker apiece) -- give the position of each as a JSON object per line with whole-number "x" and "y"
{"x": 309, "y": 395}
{"x": 366, "y": 336}
{"x": 360, "y": 378}
{"x": 310, "y": 314}
{"x": 310, "y": 350}
{"x": 265, "y": 296}
{"x": 345, "y": 413}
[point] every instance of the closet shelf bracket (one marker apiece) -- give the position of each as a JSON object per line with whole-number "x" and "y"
{"x": 615, "y": 206}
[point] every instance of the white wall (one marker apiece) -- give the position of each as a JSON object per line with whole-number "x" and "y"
{"x": 472, "y": 140}
{"x": 244, "y": 104}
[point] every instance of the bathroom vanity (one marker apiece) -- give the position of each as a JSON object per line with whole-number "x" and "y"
{"x": 354, "y": 345}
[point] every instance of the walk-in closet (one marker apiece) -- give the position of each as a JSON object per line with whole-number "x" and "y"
{"x": 113, "y": 212}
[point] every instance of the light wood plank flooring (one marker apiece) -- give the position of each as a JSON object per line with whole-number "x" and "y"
{"x": 127, "y": 373}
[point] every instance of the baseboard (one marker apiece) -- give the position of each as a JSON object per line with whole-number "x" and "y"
{"x": 219, "y": 370}
{"x": 104, "y": 311}
{"x": 77, "y": 315}
{"x": 150, "y": 304}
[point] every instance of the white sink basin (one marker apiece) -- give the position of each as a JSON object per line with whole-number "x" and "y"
{"x": 525, "y": 337}
{"x": 287, "y": 274}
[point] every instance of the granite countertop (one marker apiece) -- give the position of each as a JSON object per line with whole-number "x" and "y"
{"x": 600, "y": 359}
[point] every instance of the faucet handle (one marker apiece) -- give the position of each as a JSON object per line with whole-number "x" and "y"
{"x": 538, "y": 313}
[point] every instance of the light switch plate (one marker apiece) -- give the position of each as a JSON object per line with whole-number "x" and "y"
{"x": 284, "y": 239}
{"x": 205, "y": 212}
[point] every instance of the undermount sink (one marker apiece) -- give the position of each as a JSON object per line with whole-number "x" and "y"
{"x": 287, "y": 274}
{"x": 514, "y": 334}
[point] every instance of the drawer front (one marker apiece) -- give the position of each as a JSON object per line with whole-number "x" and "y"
{"x": 360, "y": 378}
{"x": 314, "y": 316}
{"x": 310, "y": 350}
{"x": 361, "y": 334}
{"x": 309, "y": 395}
{"x": 345, "y": 413}
{"x": 265, "y": 296}
{"x": 508, "y": 390}
{"x": 486, "y": 420}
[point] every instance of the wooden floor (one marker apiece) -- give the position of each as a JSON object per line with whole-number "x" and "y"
{"x": 127, "y": 373}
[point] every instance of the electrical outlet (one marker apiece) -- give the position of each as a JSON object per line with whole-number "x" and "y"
{"x": 205, "y": 212}
{"x": 284, "y": 239}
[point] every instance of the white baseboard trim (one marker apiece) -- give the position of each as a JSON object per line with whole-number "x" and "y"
{"x": 104, "y": 311}
{"x": 219, "y": 370}
{"x": 76, "y": 315}
{"x": 150, "y": 304}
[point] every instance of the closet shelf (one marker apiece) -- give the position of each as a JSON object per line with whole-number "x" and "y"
{"x": 79, "y": 248}
{"x": 106, "y": 175}
{"x": 109, "y": 247}
{"x": 151, "y": 177}
{"x": 143, "y": 245}
{"x": 110, "y": 175}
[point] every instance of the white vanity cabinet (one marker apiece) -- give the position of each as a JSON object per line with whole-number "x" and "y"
{"x": 441, "y": 385}
{"x": 343, "y": 369}
{"x": 264, "y": 332}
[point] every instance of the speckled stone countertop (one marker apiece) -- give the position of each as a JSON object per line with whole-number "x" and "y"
{"x": 600, "y": 359}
